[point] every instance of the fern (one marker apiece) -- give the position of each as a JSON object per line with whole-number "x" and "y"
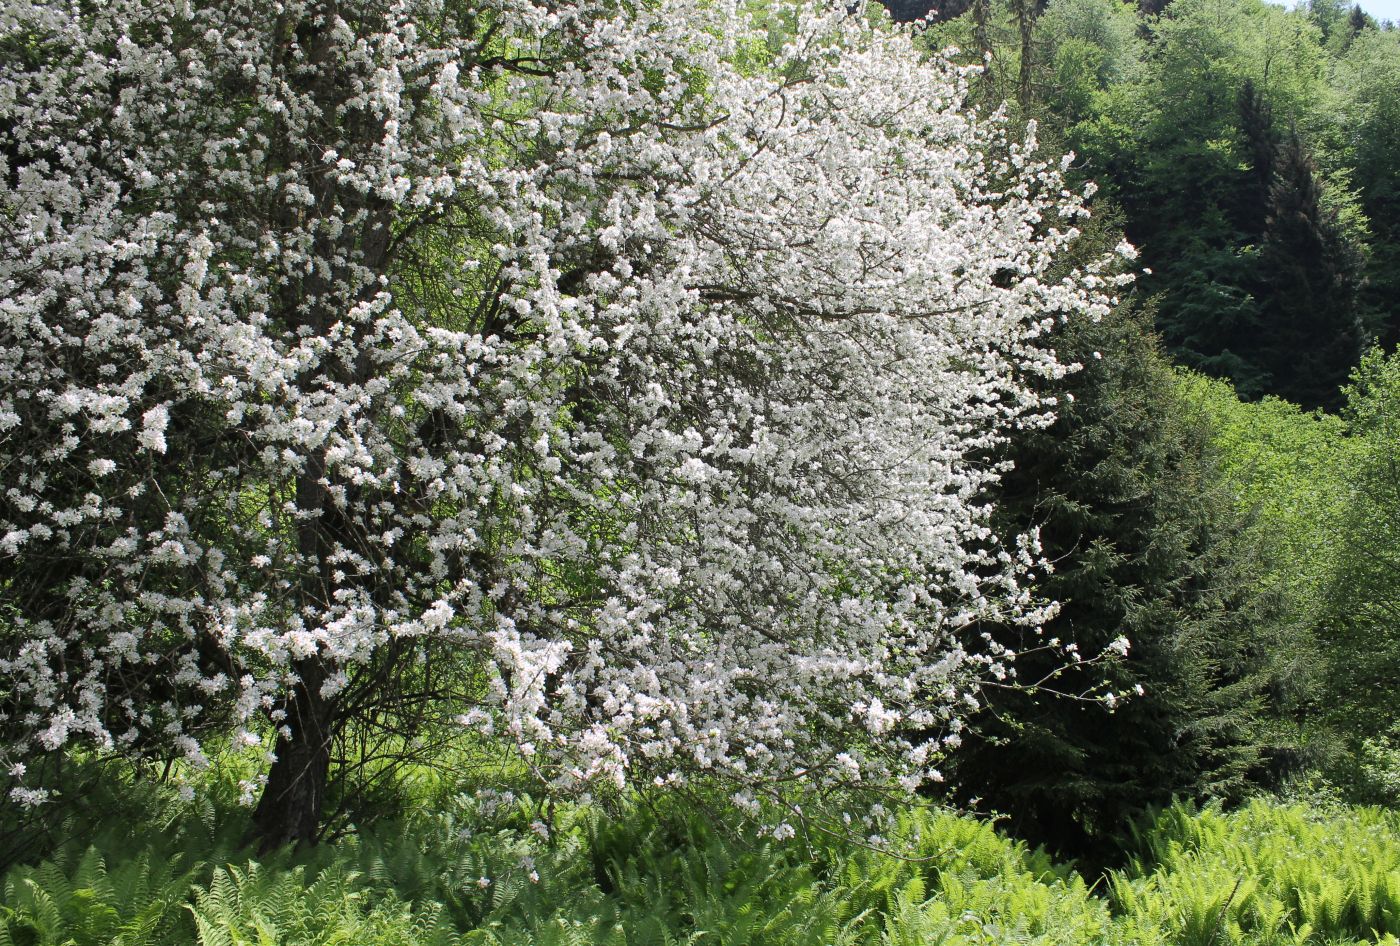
{"x": 1266, "y": 875}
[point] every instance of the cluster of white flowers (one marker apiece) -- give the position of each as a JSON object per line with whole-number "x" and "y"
{"x": 640, "y": 355}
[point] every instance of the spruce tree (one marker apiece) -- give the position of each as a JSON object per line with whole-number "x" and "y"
{"x": 1147, "y": 543}
{"x": 1312, "y": 330}
{"x": 1260, "y": 142}
{"x": 1367, "y": 127}
{"x": 1196, "y": 213}
{"x": 1357, "y": 21}
{"x": 1260, "y": 282}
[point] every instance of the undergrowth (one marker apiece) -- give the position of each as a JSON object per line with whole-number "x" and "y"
{"x": 464, "y": 872}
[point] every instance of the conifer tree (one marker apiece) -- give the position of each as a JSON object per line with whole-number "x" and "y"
{"x": 1260, "y": 142}
{"x": 1148, "y": 545}
{"x": 1357, "y": 21}
{"x": 1311, "y": 329}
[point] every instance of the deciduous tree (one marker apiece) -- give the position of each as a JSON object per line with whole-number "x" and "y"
{"x": 608, "y": 377}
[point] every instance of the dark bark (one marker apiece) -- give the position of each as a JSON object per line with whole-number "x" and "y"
{"x": 293, "y": 804}
{"x": 1026, "y": 13}
{"x": 294, "y": 798}
{"x": 980, "y": 15}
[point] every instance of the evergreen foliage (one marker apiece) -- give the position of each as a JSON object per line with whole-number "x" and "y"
{"x": 1146, "y": 543}
{"x": 1257, "y": 282}
{"x": 1359, "y": 131}
{"x": 1310, "y": 326}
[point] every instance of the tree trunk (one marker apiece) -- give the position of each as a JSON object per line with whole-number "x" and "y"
{"x": 979, "y": 28}
{"x": 1025, "y": 21}
{"x": 294, "y": 797}
{"x": 293, "y": 800}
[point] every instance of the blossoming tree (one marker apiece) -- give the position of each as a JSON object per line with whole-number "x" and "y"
{"x": 611, "y": 377}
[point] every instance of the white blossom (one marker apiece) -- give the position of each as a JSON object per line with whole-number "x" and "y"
{"x": 152, "y": 436}
{"x": 650, "y": 374}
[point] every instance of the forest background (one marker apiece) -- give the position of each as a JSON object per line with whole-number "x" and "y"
{"x": 1221, "y": 485}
